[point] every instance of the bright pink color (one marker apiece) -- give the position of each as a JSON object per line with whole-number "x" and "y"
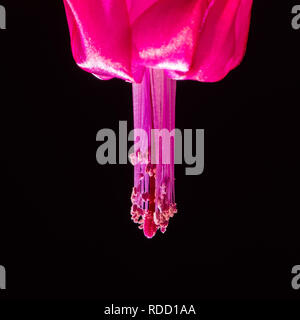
{"x": 151, "y": 43}
{"x": 191, "y": 39}
{"x": 153, "y": 195}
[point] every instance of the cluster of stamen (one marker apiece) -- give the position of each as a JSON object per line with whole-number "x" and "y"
{"x": 165, "y": 210}
{"x": 151, "y": 209}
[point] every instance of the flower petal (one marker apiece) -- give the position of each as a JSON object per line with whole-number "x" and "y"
{"x": 101, "y": 37}
{"x": 198, "y": 39}
{"x": 165, "y": 35}
{"x": 137, "y": 7}
{"x": 222, "y": 41}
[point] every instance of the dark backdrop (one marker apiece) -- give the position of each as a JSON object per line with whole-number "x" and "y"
{"x": 65, "y": 223}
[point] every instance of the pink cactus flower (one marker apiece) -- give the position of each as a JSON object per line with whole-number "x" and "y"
{"x": 153, "y": 43}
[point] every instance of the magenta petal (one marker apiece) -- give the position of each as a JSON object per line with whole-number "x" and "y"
{"x": 222, "y": 41}
{"x": 138, "y": 7}
{"x": 199, "y": 39}
{"x": 100, "y": 37}
{"x": 165, "y": 36}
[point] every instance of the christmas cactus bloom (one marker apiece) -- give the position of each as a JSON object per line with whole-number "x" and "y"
{"x": 153, "y": 43}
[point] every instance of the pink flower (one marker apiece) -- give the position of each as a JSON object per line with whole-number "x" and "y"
{"x": 191, "y": 39}
{"x": 151, "y": 43}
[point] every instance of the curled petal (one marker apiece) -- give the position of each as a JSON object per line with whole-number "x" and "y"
{"x": 222, "y": 41}
{"x": 101, "y": 37}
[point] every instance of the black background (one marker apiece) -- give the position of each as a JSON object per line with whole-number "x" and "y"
{"x": 65, "y": 223}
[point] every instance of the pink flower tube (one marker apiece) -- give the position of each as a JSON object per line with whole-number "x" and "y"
{"x": 152, "y": 43}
